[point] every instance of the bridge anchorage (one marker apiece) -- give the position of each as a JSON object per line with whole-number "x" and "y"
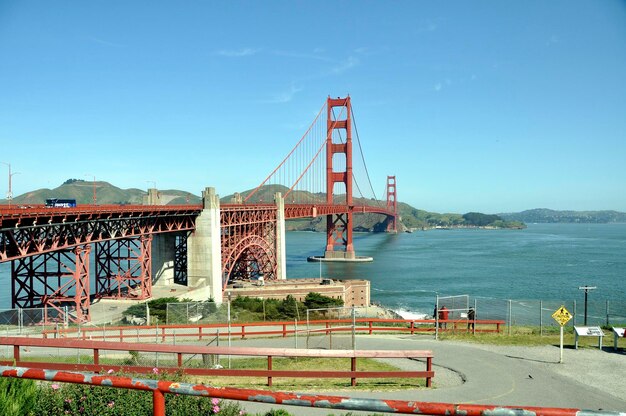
{"x": 130, "y": 251}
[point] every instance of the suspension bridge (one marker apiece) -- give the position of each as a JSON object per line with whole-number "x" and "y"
{"x": 203, "y": 246}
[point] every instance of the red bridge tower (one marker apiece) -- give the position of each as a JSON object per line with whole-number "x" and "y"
{"x": 339, "y": 226}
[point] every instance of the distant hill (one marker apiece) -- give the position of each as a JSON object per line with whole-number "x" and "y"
{"x": 544, "y": 215}
{"x": 82, "y": 192}
{"x": 410, "y": 218}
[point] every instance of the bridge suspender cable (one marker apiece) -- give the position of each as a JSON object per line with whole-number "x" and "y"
{"x": 317, "y": 154}
{"x": 358, "y": 140}
{"x": 288, "y": 155}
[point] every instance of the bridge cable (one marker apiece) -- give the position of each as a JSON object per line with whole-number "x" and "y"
{"x": 316, "y": 155}
{"x": 378, "y": 202}
{"x": 354, "y": 180}
{"x": 358, "y": 139}
{"x": 288, "y": 155}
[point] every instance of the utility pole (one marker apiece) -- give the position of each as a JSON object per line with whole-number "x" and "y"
{"x": 95, "y": 199}
{"x": 10, "y": 191}
{"x": 586, "y": 289}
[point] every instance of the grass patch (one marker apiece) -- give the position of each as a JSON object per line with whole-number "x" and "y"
{"x": 318, "y": 384}
{"x": 279, "y": 383}
{"x": 530, "y": 336}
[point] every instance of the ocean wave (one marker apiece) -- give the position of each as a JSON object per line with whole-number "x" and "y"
{"x": 405, "y": 314}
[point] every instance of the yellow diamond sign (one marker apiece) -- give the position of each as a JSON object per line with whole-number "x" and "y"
{"x": 562, "y": 315}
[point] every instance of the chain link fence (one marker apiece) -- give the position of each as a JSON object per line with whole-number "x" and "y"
{"x": 196, "y": 312}
{"x": 533, "y": 313}
{"x": 529, "y": 315}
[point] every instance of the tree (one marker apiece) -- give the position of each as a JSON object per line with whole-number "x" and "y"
{"x": 315, "y": 300}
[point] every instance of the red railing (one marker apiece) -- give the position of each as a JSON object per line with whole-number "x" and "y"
{"x": 283, "y": 328}
{"x": 98, "y": 347}
{"x": 162, "y": 387}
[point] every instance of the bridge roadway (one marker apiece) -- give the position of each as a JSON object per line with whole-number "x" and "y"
{"x": 486, "y": 374}
{"x": 35, "y": 229}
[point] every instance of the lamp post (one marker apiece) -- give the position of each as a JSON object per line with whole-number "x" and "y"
{"x": 95, "y": 199}
{"x": 586, "y": 289}
{"x": 10, "y": 191}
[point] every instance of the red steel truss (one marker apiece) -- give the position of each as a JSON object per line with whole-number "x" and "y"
{"x": 248, "y": 242}
{"x": 53, "y": 281}
{"x": 24, "y": 232}
{"x": 124, "y": 269}
{"x": 38, "y": 241}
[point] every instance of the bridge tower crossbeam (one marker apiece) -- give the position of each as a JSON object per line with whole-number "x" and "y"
{"x": 392, "y": 205}
{"x": 339, "y": 226}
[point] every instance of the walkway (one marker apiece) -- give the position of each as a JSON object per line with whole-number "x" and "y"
{"x": 467, "y": 373}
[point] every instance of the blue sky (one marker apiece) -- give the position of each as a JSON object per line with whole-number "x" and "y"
{"x": 490, "y": 106}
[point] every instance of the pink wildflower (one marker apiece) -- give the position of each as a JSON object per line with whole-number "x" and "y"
{"x": 241, "y": 413}
{"x": 111, "y": 404}
{"x": 216, "y": 409}
{"x": 155, "y": 370}
{"x": 110, "y": 371}
{"x": 54, "y": 386}
{"x": 68, "y": 400}
{"x": 215, "y": 401}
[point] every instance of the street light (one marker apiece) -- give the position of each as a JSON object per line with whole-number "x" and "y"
{"x": 586, "y": 289}
{"x": 10, "y": 191}
{"x": 95, "y": 199}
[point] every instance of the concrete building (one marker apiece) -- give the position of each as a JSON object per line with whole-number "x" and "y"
{"x": 352, "y": 292}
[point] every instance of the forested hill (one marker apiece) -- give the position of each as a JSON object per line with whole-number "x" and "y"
{"x": 413, "y": 218}
{"x": 543, "y": 215}
{"x": 410, "y": 218}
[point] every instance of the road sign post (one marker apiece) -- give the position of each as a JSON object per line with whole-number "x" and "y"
{"x": 562, "y": 316}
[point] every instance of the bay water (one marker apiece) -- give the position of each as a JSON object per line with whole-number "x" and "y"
{"x": 543, "y": 261}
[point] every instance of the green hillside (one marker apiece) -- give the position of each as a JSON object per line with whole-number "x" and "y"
{"x": 82, "y": 192}
{"x": 410, "y": 217}
{"x": 544, "y": 215}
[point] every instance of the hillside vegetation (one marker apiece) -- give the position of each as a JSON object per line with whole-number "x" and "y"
{"x": 82, "y": 192}
{"x": 543, "y": 215}
{"x": 410, "y": 217}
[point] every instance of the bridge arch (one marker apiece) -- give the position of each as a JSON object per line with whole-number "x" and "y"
{"x": 252, "y": 256}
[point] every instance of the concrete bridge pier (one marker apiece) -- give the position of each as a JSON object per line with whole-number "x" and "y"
{"x": 204, "y": 249}
{"x": 281, "y": 250}
{"x": 163, "y": 259}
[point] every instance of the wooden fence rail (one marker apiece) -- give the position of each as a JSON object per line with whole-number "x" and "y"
{"x": 98, "y": 347}
{"x": 281, "y": 328}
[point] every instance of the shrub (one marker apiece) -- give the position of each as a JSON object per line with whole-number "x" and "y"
{"x": 17, "y": 396}
{"x": 84, "y": 400}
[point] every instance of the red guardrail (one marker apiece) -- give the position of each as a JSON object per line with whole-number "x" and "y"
{"x": 239, "y": 329}
{"x": 98, "y": 346}
{"x": 161, "y": 387}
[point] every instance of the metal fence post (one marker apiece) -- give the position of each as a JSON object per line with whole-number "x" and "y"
{"x": 607, "y": 313}
{"x": 574, "y": 320}
{"x": 475, "y": 315}
{"x": 510, "y": 315}
{"x": 436, "y": 317}
{"x": 541, "y": 318}
{"x": 228, "y": 328}
{"x": 353, "y": 328}
{"x": 308, "y": 329}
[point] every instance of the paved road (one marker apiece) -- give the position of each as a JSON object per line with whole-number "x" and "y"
{"x": 511, "y": 376}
